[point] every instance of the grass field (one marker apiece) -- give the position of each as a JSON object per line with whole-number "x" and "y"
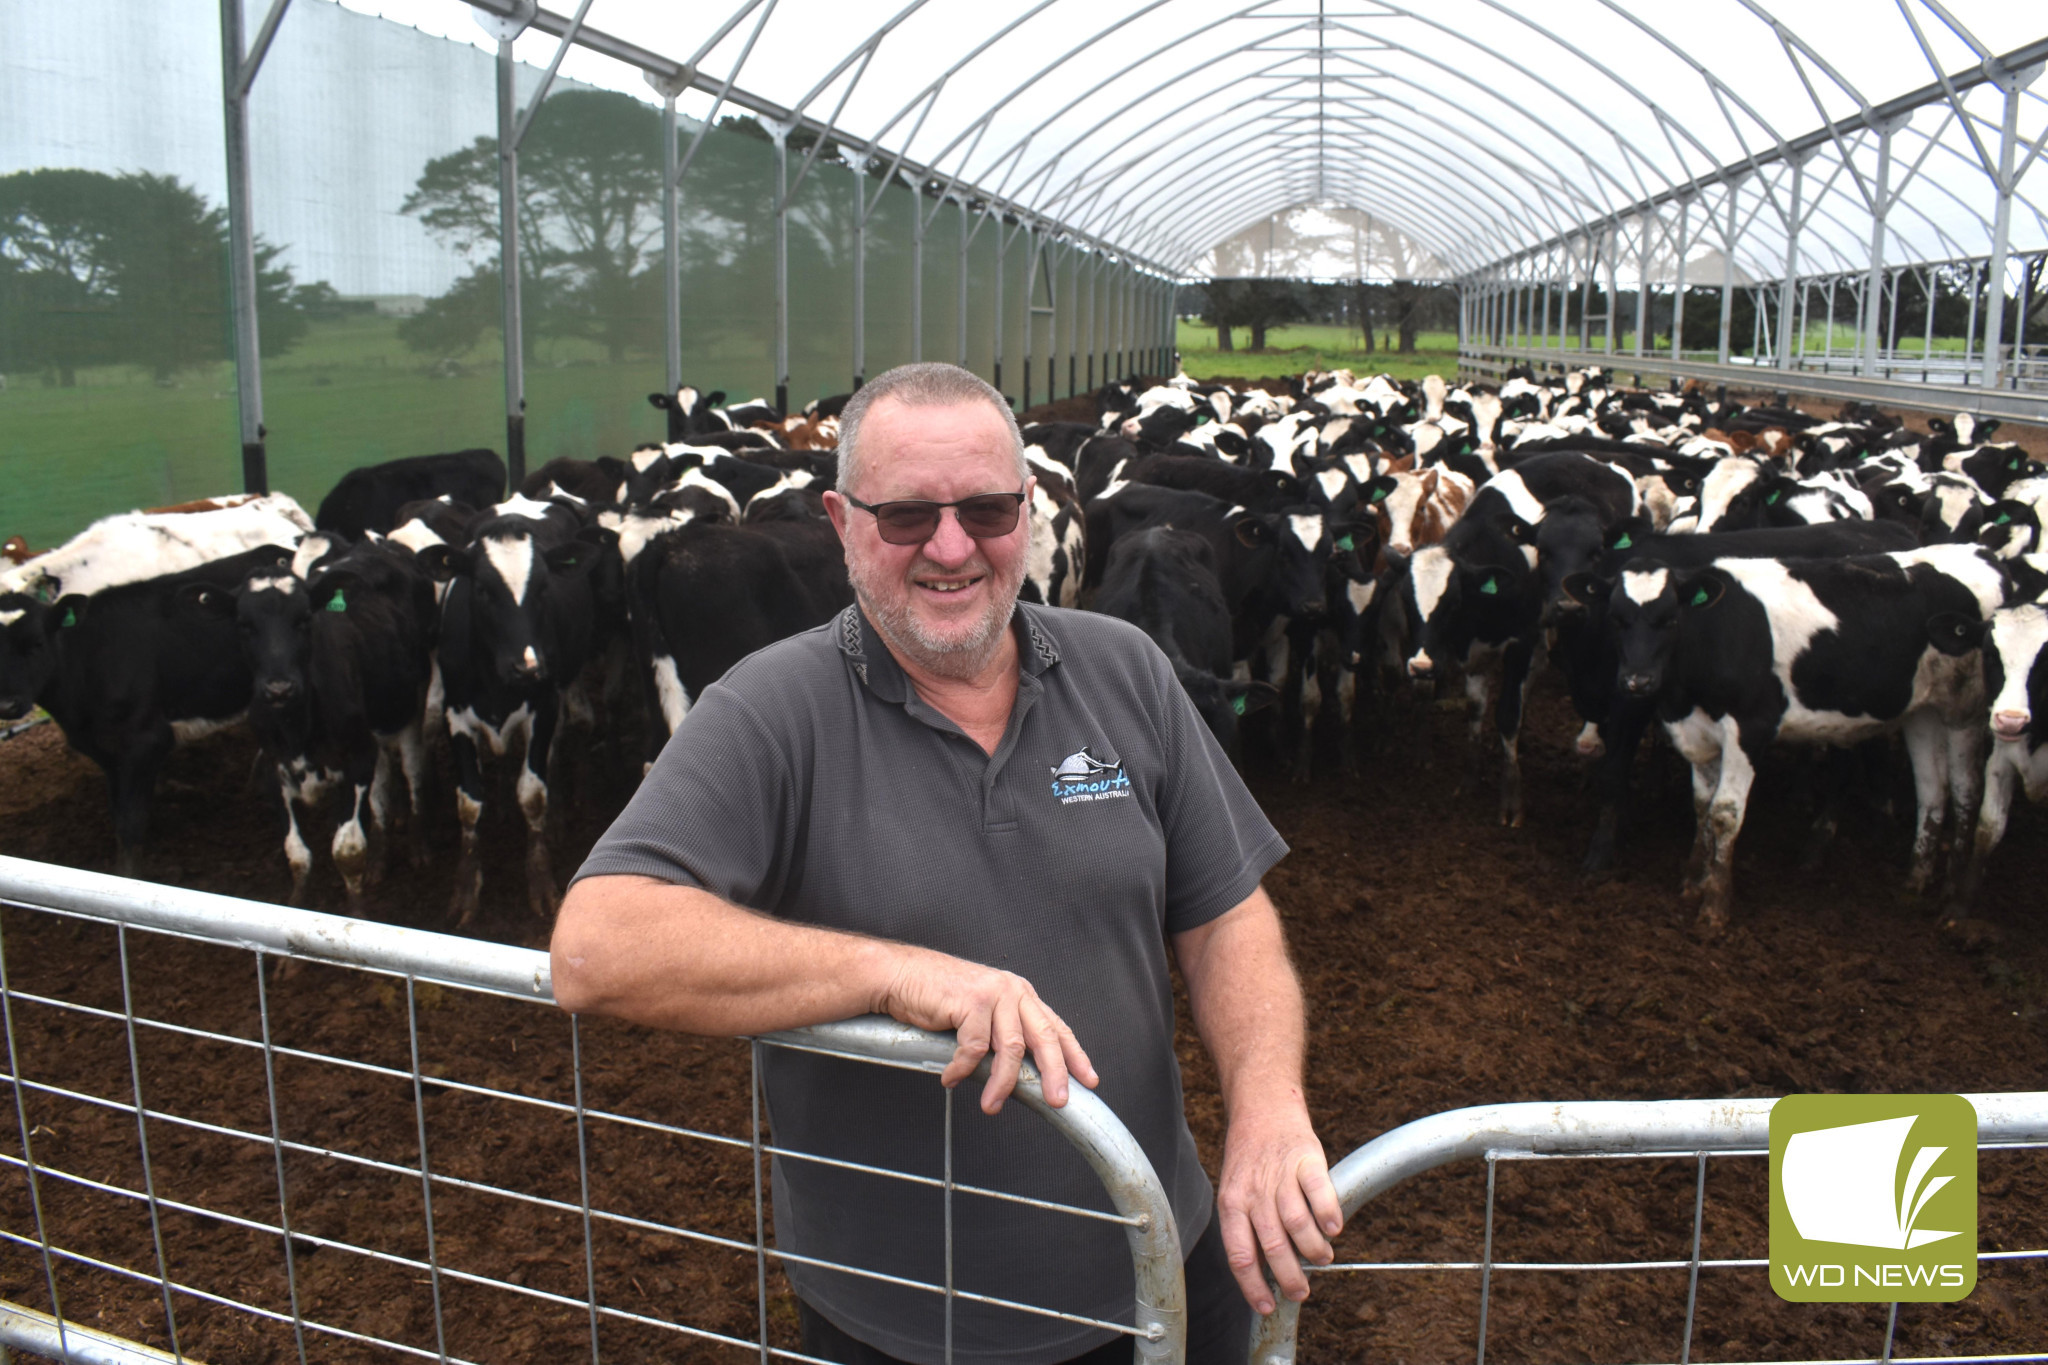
{"x": 1311, "y": 346}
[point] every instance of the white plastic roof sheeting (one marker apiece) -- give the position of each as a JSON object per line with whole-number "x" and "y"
{"x": 1479, "y": 129}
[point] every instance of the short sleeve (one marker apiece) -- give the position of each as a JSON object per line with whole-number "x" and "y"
{"x": 716, "y": 811}
{"x": 1218, "y": 842}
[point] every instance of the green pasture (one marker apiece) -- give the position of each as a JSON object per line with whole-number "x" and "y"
{"x": 1311, "y": 346}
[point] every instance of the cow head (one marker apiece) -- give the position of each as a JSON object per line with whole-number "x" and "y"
{"x": 1222, "y": 702}
{"x": 1301, "y": 543}
{"x": 1451, "y": 603}
{"x": 28, "y": 647}
{"x": 1647, "y": 607}
{"x": 517, "y": 571}
{"x": 689, "y": 411}
{"x": 274, "y": 623}
{"x": 1571, "y": 540}
{"x": 2010, "y": 529}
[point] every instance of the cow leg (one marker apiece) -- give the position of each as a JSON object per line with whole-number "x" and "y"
{"x": 1724, "y": 822}
{"x": 1515, "y": 673}
{"x": 1342, "y": 680}
{"x": 1478, "y": 692}
{"x": 351, "y": 848}
{"x": 2000, "y": 773}
{"x": 297, "y": 855}
{"x": 1927, "y": 747}
{"x": 469, "y": 808}
{"x": 412, "y": 761}
{"x": 1966, "y": 744}
{"x": 541, "y": 895}
{"x": 1301, "y": 667}
{"x": 131, "y": 784}
{"x": 1621, "y": 734}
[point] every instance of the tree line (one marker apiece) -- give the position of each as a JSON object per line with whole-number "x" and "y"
{"x": 1387, "y": 315}
{"x": 99, "y": 269}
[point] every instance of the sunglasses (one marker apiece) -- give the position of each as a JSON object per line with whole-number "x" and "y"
{"x": 982, "y": 516}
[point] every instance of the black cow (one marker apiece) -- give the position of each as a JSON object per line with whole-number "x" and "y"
{"x": 340, "y": 666}
{"x": 130, "y": 672}
{"x": 523, "y": 613}
{"x": 1164, "y": 582}
{"x": 691, "y": 412}
{"x": 368, "y": 499}
{"x": 1745, "y": 652}
{"x": 706, "y": 595}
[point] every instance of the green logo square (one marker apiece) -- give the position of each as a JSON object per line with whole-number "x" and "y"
{"x": 1873, "y": 1198}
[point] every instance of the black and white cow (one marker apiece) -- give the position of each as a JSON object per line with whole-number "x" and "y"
{"x": 2016, "y": 680}
{"x": 1164, "y": 582}
{"x": 1474, "y": 601}
{"x": 1746, "y": 652}
{"x": 131, "y": 672}
{"x": 521, "y": 617}
{"x": 340, "y": 666}
{"x": 707, "y": 594}
{"x": 368, "y": 498}
{"x": 690, "y": 411}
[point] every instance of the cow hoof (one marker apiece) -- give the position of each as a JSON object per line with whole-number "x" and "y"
{"x": 1691, "y": 893}
{"x": 1712, "y": 922}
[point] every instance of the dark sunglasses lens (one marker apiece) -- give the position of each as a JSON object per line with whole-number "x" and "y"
{"x": 906, "y": 523}
{"x": 994, "y": 515}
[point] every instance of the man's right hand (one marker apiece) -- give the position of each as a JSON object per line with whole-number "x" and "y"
{"x": 993, "y": 1013}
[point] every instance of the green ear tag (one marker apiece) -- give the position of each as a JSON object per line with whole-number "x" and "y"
{"x": 1776, "y": 493}
{"x": 1346, "y": 544}
{"x": 1379, "y": 493}
{"x": 1624, "y": 542}
{"x": 337, "y": 602}
{"x": 1699, "y": 599}
{"x": 1237, "y": 705}
{"x": 1491, "y": 587}
{"x": 70, "y": 619}
{"x": 2002, "y": 519}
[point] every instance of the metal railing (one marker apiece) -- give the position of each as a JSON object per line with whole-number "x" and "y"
{"x": 1694, "y": 1131}
{"x": 423, "y": 964}
{"x": 2026, "y": 404}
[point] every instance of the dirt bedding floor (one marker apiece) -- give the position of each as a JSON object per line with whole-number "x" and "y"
{"x": 1447, "y": 962}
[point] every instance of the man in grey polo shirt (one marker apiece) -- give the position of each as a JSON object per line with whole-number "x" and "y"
{"x": 984, "y": 816}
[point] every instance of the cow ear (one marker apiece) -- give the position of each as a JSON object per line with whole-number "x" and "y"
{"x": 1251, "y": 532}
{"x": 1247, "y": 697}
{"x": 1989, "y": 428}
{"x": 444, "y": 562}
{"x": 204, "y": 597}
{"x": 1380, "y": 487}
{"x": 1701, "y": 590}
{"x": 1940, "y": 426}
{"x": 661, "y": 400}
{"x": 1586, "y": 588}
{"x": 2024, "y": 582}
{"x": 611, "y": 466}
{"x": 714, "y": 398}
{"x": 1953, "y": 633}
{"x": 572, "y": 554}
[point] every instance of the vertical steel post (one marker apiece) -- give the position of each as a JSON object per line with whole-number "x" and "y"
{"x": 780, "y": 133}
{"x": 242, "y": 253}
{"x": 2012, "y": 83}
{"x": 1002, "y": 284}
{"x": 1970, "y": 328}
{"x": 1073, "y": 316}
{"x": 1880, "y": 204}
{"x": 860, "y": 275}
{"x": 1095, "y": 318}
{"x": 1549, "y": 287}
{"x": 1891, "y": 343}
{"x": 1052, "y": 312}
{"x": 1678, "y": 279}
{"x": 917, "y": 271}
{"x": 1793, "y": 221}
{"x": 1728, "y": 271}
{"x": 960, "y": 320}
{"x": 1030, "y": 307}
{"x": 1611, "y": 248}
{"x": 1642, "y": 281}
{"x": 1586, "y": 299}
{"x": 671, "y": 258}
{"x": 1927, "y": 287}
{"x": 508, "y": 269}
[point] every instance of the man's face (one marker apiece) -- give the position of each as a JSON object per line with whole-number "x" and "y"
{"x": 946, "y": 602}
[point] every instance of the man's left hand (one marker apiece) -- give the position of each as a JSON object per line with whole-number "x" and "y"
{"x": 1276, "y": 1201}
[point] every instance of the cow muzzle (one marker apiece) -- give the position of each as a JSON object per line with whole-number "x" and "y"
{"x": 1639, "y": 684}
{"x": 2011, "y": 725}
{"x": 1421, "y": 667}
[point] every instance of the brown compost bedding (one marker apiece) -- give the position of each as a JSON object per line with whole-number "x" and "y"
{"x": 1446, "y": 961}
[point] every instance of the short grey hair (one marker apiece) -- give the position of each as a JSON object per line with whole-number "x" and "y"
{"x": 925, "y": 384}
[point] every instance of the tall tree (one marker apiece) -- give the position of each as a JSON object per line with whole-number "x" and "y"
{"x": 589, "y": 224}
{"x": 100, "y": 269}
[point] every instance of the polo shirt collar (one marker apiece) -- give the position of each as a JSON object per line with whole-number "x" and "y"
{"x": 876, "y": 667}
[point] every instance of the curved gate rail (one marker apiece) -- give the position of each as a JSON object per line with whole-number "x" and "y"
{"x": 1157, "y": 1327}
{"x": 1656, "y": 1129}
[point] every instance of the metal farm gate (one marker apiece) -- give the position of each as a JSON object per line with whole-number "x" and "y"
{"x": 85, "y": 1055}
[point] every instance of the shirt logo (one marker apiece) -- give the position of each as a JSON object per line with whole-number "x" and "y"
{"x": 1081, "y": 776}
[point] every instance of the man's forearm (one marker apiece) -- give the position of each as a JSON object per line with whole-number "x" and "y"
{"x": 678, "y": 957}
{"x": 1247, "y": 1003}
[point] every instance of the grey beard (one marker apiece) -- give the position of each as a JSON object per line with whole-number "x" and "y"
{"x": 958, "y": 659}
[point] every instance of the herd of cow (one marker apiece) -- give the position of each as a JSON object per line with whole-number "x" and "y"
{"x": 1730, "y": 575}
